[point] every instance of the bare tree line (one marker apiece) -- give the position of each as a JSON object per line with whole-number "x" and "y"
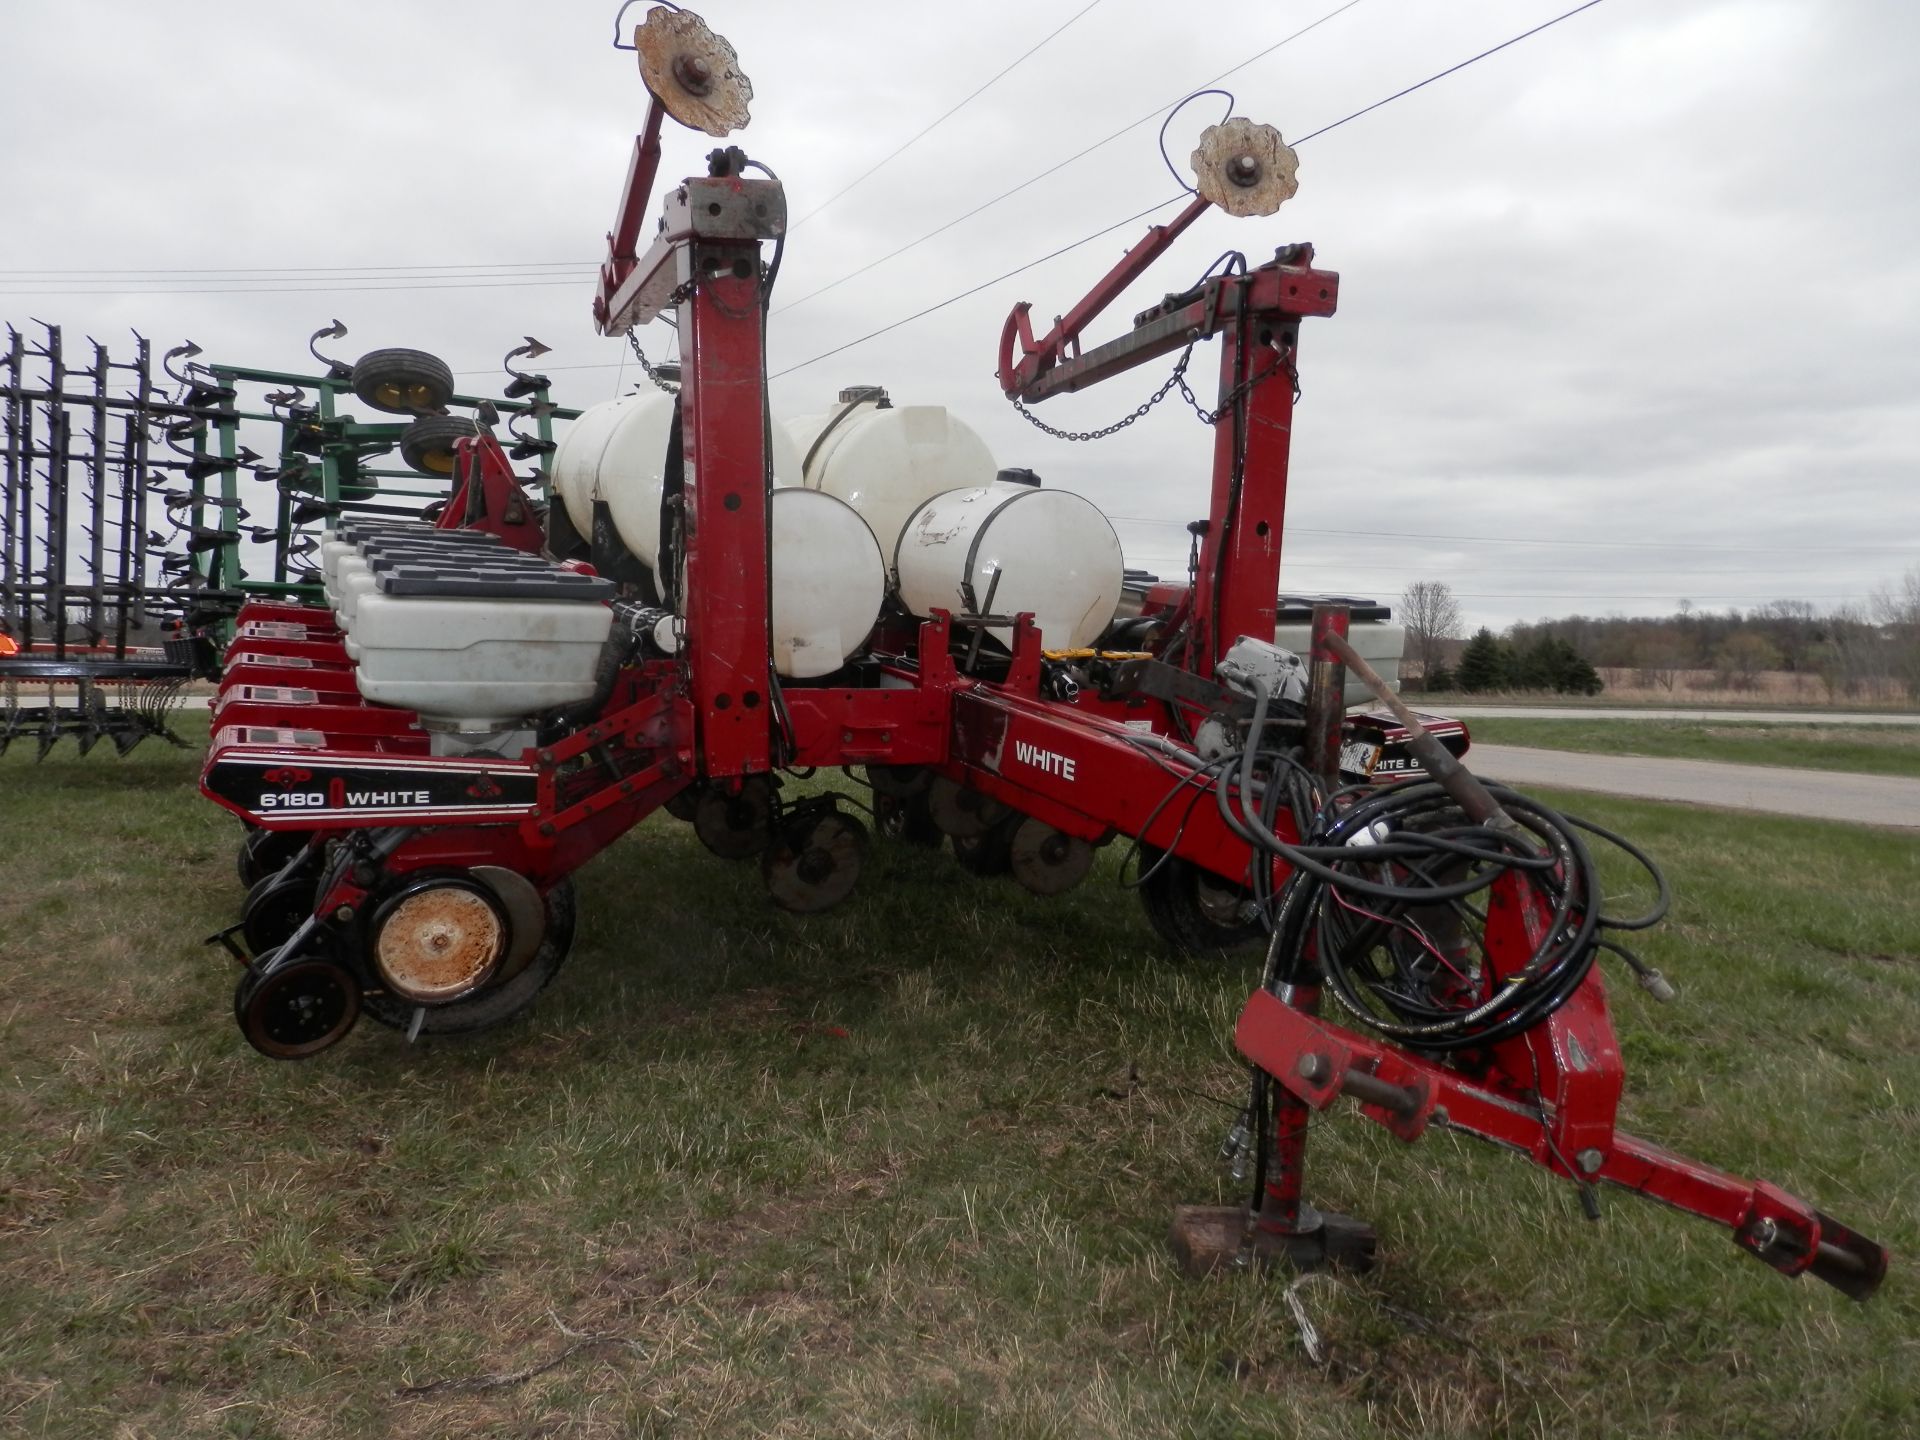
{"x": 1849, "y": 652}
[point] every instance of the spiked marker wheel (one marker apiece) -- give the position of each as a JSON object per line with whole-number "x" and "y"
{"x": 298, "y": 1009}
{"x": 1244, "y": 168}
{"x": 694, "y": 72}
{"x": 814, "y": 862}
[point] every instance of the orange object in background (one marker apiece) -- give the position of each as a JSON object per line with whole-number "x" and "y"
{"x": 8, "y": 646}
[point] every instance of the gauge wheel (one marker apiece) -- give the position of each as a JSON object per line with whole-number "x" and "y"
{"x": 403, "y": 382}
{"x": 427, "y": 444}
{"x": 1195, "y": 911}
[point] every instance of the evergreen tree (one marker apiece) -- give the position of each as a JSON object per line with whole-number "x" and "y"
{"x": 1485, "y": 664}
{"x": 1440, "y": 678}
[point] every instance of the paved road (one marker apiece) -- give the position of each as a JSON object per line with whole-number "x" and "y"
{"x": 1730, "y": 717}
{"x": 1815, "y": 794}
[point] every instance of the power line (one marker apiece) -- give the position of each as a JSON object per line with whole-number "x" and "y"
{"x": 1061, "y": 165}
{"x": 1546, "y": 25}
{"x": 1450, "y": 70}
{"x": 297, "y": 271}
{"x": 410, "y": 286}
{"x": 983, "y": 285}
{"x": 905, "y": 145}
{"x": 1582, "y": 544}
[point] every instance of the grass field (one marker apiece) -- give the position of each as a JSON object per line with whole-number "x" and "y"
{"x": 901, "y": 1170}
{"x": 1862, "y": 749}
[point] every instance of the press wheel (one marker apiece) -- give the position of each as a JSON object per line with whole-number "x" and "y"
{"x": 298, "y": 1009}
{"x": 274, "y": 909}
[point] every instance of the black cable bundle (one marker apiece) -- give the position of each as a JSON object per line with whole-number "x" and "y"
{"x": 1381, "y": 903}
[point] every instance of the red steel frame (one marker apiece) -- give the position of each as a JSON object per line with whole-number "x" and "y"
{"x": 718, "y": 713}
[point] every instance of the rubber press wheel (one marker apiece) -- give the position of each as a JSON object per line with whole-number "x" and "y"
{"x": 427, "y": 444}
{"x": 497, "y": 1003}
{"x": 1195, "y": 911}
{"x": 274, "y": 909}
{"x": 264, "y": 852}
{"x": 298, "y": 1009}
{"x": 403, "y": 382}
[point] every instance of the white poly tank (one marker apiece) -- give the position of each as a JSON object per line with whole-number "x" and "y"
{"x": 1054, "y": 554}
{"x": 828, "y": 583}
{"x": 887, "y": 461}
{"x": 617, "y": 452}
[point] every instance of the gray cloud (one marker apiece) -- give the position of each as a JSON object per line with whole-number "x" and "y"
{"x": 1643, "y": 281}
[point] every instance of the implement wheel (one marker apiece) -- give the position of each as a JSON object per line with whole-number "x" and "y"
{"x": 1195, "y": 911}
{"x": 297, "y": 1010}
{"x": 427, "y": 444}
{"x": 276, "y": 908}
{"x": 266, "y": 852}
{"x": 814, "y": 862}
{"x": 512, "y": 990}
{"x": 403, "y": 382}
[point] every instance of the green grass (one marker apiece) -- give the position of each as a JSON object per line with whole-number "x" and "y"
{"x": 882, "y": 1172}
{"x": 1860, "y": 749}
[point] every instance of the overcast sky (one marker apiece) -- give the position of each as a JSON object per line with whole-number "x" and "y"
{"x": 1628, "y": 311}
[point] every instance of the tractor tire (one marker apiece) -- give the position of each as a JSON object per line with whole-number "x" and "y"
{"x": 427, "y": 444}
{"x": 495, "y": 1004}
{"x": 403, "y": 382}
{"x": 1195, "y": 911}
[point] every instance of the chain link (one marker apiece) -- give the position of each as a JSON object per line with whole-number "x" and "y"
{"x": 633, "y": 339}
{"x": 1177, "y": 379}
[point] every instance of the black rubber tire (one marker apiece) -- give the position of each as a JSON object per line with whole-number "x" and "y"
{"x": 403, "y": 382}
{"x": 905, "y": 822}
{"x": 497, "y": 1004}
{"x": 989, "y": 854}
{"x": 274, "y": 909}
{"x": 263, "y": 852}
{"x": 1177, "y": 897}
{"x": 427, "y": 444}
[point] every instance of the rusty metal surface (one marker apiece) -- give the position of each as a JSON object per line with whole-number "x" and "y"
{"x": 439, "y": 943}
{"x": 694, "y": 72}
{"x": 1245, "y": 168}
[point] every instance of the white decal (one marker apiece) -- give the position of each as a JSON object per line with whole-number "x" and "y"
{"x": 1028, "y": 753}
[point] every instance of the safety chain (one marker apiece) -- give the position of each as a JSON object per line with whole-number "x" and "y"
{"x": 1240, "y": 391}
{"x": 1178, "y": 377}
{"x": 633, "y": 339}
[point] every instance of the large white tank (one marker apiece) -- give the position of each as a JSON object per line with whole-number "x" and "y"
{"x": 617, "y": 452}
{"x": 828, "y": 583}
{"x": 886, "y": 460}
{"x": 1054, "y": 554}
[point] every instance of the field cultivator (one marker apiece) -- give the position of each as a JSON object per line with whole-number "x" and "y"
{"x": 126, "y": 549}
{"x": 481, "y": 704}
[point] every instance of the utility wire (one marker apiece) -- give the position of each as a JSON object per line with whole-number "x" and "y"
{"x": 983, "y": 285}
{"x": 1583, "y": 543}
{"x": 1450, "y": 70}
{"x": 298, "y": 271}
{"x": 907, "y": 144}
{"x": 399, "y": 284}
{"x": 1032, "y": 180}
